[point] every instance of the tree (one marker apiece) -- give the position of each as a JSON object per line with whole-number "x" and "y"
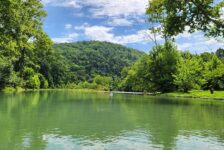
{"x": 175, "y": 16}
{"x": 101, "y": 80}
{"x": 214, "y": 74}
{"x": 88, "y": 59}
{"x": 189, "y": 73}
{"x": 137, "y": 77}
{"x": 21, "y": 21}
{"x": 6, "y": 70}
{"x": 164, "y": 59}
{"x": 33, "y": 62}
{"x": 220, "y": 54}
{"x": 44, "y": 56}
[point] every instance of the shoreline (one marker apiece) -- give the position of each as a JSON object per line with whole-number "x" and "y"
{"x": 218, "y": 95}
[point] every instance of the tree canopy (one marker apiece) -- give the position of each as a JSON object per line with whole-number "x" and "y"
{"x": 175, "y": 16}
{"x": 88, "y": 59}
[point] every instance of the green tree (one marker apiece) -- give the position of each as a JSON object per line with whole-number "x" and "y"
{"x": 137, "y": 77}
{"x": 214, "y": 74}
{"x": 164, "y": 64}
{"x": 101, "y": 80}
{"x": 176, "y": 15}
{"x": 189, "y": 73}
{"x": 220, "y": 54}
{"x": 33, "y": 82}
{"x": 88, "y": 59}
{"x": 23, "y": 42}
{"x": 6, "y": 70}
{"x": 21, "y": 22}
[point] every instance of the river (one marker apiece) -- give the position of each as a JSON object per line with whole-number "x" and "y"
{"x": 69, "y": 119}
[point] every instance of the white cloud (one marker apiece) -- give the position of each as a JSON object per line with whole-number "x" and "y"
{"x": 66, "y": 39}
{"x": 120, "y": 22}
{"x": 184, "y": 46}
{"x": 62, "y": 3}
{"x": 68, "y": 26}
{"x": 117, "y": 7}
{"x": 102, "y": 33}
{"x": 102, "y": 8}
{"x": 200, "y": 44}
{"x": 82, "y": 27}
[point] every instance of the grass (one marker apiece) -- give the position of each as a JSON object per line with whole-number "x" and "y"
{"x": 198, "y": 94}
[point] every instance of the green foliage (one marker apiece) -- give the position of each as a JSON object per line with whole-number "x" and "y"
{"x": 167, "y": 70}
{"x": 27, "y": 73}
{"x": 43, "y": 82}
{"x": 28, "y": 58}
{"x": 177, "y": 15}
{"x": 163, "y": 65}
{"x": 20, "y": 21}
{"x": 220, "y": 54}
{"x": 153, "y": 72}
{"x": 87, "y": 59}
{"x": 197, "y": 94}
{"x": 189, "y": 73}
{"x": 214, "y": 74}
{"x": 104, "y": 81}
{"x": 5, "y": 72}
{"x": 33, "y": 82}
{"x": 33, "y": 62}
{"x": 137, "y": 77}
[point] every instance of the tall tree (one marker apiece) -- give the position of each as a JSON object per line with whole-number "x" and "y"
{"x": 20, "y": 23}
{"x": 164, "y": 59}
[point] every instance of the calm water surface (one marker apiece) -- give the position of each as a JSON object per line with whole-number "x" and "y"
{"x": 57, "y": 120}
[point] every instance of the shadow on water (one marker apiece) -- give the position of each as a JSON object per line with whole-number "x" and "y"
{"x": 56, "y": 119}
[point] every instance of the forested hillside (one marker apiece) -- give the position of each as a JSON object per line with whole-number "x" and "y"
{"x": 88, "y": 59}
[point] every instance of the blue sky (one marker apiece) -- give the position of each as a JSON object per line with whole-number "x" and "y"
{"x": 118, "y": 21}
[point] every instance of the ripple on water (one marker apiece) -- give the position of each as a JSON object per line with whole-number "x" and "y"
{"x": 138, "y": 139}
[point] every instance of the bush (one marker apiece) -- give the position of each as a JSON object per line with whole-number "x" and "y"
{"x": 27, "y": 73}
{"x": 33, "y": 82}
{"x": 101, "y": 80}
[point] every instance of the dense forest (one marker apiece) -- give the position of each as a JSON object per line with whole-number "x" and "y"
{"x": 29, "y": 59}
{"x": 89, "y": 64}
{"x": 88, "y": 59}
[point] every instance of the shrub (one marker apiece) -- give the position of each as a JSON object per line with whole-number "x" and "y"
{"x": 33, "y": 82}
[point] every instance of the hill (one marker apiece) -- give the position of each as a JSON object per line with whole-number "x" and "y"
{"x": 87, "y": 59}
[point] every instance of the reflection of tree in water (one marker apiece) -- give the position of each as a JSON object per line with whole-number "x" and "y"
{"x": 98, "y": 117}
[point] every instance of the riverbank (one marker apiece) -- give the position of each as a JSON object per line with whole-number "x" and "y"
{"x": 218, "y": 95}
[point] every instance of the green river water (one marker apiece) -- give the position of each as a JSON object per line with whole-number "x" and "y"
{"x": 71, "y": 120}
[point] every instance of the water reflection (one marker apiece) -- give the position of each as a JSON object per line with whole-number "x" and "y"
{"x": 77, "y": 120}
